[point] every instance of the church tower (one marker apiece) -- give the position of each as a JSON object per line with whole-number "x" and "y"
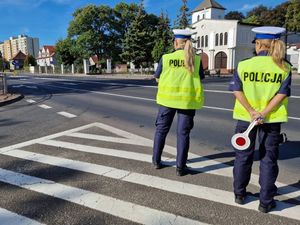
{"x": 208, "y": 9}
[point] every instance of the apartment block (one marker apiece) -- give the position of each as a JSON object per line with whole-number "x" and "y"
{"x": 2, "y": 48}
{"x": 23, "y": 43}
{"x": 7, "y": 50}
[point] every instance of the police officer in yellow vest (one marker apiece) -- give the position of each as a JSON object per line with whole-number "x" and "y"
{"x": 261, "y": 86}
{"x": 180, "y": 90}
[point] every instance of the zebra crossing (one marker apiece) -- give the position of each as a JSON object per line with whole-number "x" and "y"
{"x": 119, "y": 164}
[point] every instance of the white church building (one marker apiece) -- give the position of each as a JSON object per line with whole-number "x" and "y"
{"x": 222, "y": 43}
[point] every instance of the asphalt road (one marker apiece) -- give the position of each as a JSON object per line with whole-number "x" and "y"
{"x": 58, "y": 104}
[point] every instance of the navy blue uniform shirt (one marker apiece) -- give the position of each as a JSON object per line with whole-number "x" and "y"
{"x": 160, "y": 65}
{"x": 237, "y": 85}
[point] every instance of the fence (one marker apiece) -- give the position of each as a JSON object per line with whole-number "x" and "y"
{"x": 3, "y": 83}
{"x": 57, "y": 69}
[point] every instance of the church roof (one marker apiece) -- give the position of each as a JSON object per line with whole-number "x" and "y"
{"x": 207, "y": 4}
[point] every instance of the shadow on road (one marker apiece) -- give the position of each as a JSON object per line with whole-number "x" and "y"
{"x": 289, "y": 150}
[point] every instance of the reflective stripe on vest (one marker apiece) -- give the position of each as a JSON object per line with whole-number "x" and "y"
{"x": 177, "y": 88}
{"x": 261, "y": 79}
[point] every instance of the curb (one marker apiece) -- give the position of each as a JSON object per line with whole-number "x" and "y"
{"x": 10, "y": 101}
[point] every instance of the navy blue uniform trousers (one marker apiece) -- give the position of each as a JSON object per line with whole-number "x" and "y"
{"x": 269, "y": 140}
{"x": 163, "y": 124}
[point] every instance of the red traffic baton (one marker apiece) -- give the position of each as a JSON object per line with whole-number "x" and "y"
{"x": 241, "y": 141}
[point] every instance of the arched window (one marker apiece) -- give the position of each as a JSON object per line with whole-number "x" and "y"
{"x": 225, "y": 38}
{"x": 217, "y": 39}
{"x": 206, "y": 41}
{"x": 202, "y": 41}
{"x": 198, "y": 18}
{"x": 221, "y": 39}
{"x": 198, "y": 42}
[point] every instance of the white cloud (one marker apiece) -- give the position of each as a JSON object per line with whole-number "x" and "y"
{"x": 24, "y": 30}
{"x": 247, "y": 7}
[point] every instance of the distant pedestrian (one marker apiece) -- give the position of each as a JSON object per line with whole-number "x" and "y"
{"x": 180, "y": 91}
{"x": 261, "y": 86}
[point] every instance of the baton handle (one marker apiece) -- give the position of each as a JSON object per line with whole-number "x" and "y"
{"x": 251, "y": 126}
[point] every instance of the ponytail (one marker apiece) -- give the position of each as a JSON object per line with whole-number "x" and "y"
{"x": 277, "y": 51}
{"x": 189, "y": 56}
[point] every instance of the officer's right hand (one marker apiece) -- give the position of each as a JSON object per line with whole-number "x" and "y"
{"x": 256, "y": 116}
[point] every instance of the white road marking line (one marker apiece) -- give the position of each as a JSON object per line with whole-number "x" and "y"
{"x": 107, "y": 138}
{"x": 203, "y": 164}
{"x": 112, "y": 206}
{"x": 18, "y": 86}
{"x": 10, "y": 218}
{"x": 66, "y": 114}
{"x": 145, "y": 99}
{"x": 45, "y": 106}
{"x": 294, "y": 118}
{"x": 217, "y": 108}
{"x": 147, "y": 86}
{"x": 218, "y": 91}
{"x": 31, "y": 87}
{"x": 45, "y": 138}
{"x": 67, "y": 83}
{"x": 45, "y": 78}
{"x": 197, "y": 191}
{"x": 30, "y": 101}
{"x": 101, "y": 151}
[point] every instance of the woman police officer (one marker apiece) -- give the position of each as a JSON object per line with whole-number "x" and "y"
{"x": 261, "y": 87}
{"x": 180, "y": 90}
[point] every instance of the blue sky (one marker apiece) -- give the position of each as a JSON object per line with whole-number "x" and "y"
{"x": 49, "y": 19}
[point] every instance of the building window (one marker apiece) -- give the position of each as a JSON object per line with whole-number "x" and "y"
{"x": 202, "y": 41}
{"x": 225, "y": 38}
{"x": 198, "y": 18}
{"x": 221, "y": 39}
{"x": 198, "y": 42}
{"x": 217, "y": 39}
{"x": 206, "y": 41}
{"x": 203, "y": 16}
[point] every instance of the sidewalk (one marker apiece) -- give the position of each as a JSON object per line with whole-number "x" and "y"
{"x": 6, "y": 99}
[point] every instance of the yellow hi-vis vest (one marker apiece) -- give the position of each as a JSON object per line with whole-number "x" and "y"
{"x": 261, "y": 79}
{"x": 177, "y": 88}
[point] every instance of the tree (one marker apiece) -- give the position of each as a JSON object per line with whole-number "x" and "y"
{"x": 29, "y": 60}
{"x": 124, "y": 15}
{"x": 138, "y": 39}
{"x": 163, "y": 36}
{"x": 292, "y": 21}
{"x": 92, "y": 29}
{"x": 234, "y": 15}
{"x": 252, "y": 20}
{"x": 183, "y": 20}
{"x": 66, "y": 51}
{"x": 276, "y": 16}
{"x": 258, "y": 15}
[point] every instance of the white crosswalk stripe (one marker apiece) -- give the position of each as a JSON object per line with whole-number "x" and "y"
{"x": 120, "y": 208}
{"x": 10, "y": 218}
{"x": 126, "y": 210}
